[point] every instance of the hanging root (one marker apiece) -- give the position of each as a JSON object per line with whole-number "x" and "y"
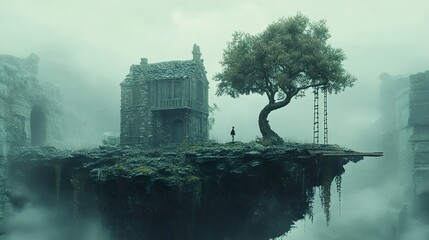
{"x": 310, "y": 200}
{"x": 58, "y": 168}
{"x": 325, "y": 195}
{"x": 76, "y": 181}
{"x": 338, "y": 180}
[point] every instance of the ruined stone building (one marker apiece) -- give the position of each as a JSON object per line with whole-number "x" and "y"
{"x": 30, "y": 112}
{"x": 165, "y": 102}
{"x": 413, "y": 132}
{"x": 408, "y": 134}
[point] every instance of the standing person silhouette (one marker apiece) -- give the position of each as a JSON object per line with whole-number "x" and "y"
{"x": 232, "y": 134}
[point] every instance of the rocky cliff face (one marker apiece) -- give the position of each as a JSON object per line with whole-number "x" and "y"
{"x": 228, "y": 191}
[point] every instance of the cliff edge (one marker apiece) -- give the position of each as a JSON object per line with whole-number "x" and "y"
{"x": 213, "y": 191}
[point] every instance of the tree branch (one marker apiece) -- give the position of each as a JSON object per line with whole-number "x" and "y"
{"x": 269, "y": 86}
{"x": 309, "y": 86}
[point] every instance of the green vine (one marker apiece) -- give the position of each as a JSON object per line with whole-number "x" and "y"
{"x": 338, "y": 180}
{"x": 325, "y": 194}
{"x": 303, "y": 181}
{"x": 310, "y": 197}
{"x": 76, "y": 181}
{"x": 58, "y": 168}
{"x": 196, "y": 190}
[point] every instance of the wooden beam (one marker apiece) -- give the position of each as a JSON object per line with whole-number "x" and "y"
{"x": 327, "y": 153}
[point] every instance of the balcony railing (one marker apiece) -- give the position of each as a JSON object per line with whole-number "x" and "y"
{"x": 178, "y": 103}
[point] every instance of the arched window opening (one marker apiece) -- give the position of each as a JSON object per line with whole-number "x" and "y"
{"x": 38, "y": 126}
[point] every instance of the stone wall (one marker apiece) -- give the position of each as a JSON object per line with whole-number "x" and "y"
{"x": 411, "y": 132}
{"x": 135, "y": 106}
{"x": 419, "y": 119}
{"x": 27, "y": 103}
{"x": 30, "y": 112}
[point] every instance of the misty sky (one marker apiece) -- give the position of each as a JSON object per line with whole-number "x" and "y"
{"x": 87, "y": 47}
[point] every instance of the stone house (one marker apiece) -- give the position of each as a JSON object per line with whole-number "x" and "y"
{"x": 165, "y": 102}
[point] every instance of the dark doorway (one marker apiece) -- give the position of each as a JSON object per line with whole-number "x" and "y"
{"x": 178, "y": 131}
{"x": 38, "y": 126}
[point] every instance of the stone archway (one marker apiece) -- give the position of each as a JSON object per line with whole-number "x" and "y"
{"x": 38, "y": 126}
{"x": 178, "y": 131}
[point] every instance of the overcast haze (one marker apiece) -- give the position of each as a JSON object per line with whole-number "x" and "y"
{"x": 87, "y": 47}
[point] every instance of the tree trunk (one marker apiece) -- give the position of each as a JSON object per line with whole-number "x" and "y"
{"x": 268, "y": 135}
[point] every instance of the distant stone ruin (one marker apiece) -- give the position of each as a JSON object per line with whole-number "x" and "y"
{"x": 166, "y": 102}
{"x": 405, "y": 109}
{"x": 30, "y": 112}
{"x": 410, "y": 115}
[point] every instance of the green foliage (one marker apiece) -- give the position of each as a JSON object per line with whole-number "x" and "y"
{"x": 194, "y": 183}
{"x": 338, "y": 180}
{"x": 262, "y": 141}
{"x": 76, "y": 182}
{"x": 310, "y": 199}
{"x": 290, "y": 56}
{"x": 211, "y": 119}
{"x": 193, "y": 179}
{"x": 58, "y": 168}
{"x": 143, "y": 170}
{"x": 325, "y": 194}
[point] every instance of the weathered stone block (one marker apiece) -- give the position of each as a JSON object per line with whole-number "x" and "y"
{"x": 419, "y": 113}
{"x": 20, "y": 93}
{"x": 3, "y": 109}
{"x": 21, "y": 108}
{"x": 421, "y": 158}
{"x": 422, "y": 147}
{"x": 421, "y": 133}
{"x": 419, "y": 97}
{"x": 3, "y": 91}
{"x": 420, "y": 82}
{"x": 402, "y": 109}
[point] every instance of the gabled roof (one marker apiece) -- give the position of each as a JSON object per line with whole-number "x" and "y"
{"x": 171, "y": 70}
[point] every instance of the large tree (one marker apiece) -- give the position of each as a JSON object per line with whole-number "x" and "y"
{"x": 289, "y": 57}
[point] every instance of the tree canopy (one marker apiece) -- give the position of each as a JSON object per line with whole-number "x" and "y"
{"x": 290, "y": 56}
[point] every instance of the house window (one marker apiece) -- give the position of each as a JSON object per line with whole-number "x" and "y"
{"x": 172, "y": 89}
{"x": 186, "y": 86}
{"x": 178, "y": 90}
{"x": 200, "y": 92}
{"x": 166, "y": 90}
